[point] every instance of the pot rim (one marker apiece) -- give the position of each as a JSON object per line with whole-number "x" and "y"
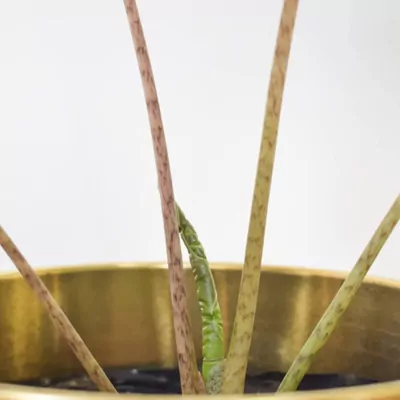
{"x": 362, "y": 392}
{"x": 220, "y": 265}
{"x": 387, "y": 390}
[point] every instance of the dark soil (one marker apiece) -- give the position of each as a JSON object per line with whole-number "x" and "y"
{"x": 152, "y": 381}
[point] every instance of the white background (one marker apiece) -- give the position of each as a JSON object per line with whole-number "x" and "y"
{"x": 77, "y": 175}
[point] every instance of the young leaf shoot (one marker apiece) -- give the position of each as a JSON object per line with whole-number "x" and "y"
{"x": 213, "y": 333}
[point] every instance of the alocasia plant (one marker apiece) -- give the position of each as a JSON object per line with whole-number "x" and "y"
{"x": 221, "y": 374}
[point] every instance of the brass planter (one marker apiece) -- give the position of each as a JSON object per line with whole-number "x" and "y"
{"x": 123, "y": 313}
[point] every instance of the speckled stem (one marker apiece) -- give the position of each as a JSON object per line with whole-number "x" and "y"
{"x": 341, "y": 301}
{"x": 236, "y": 363}
{"x": 213, "y": 334}
{"x": 60, "y": 320}
{"x": 183, "y": 333}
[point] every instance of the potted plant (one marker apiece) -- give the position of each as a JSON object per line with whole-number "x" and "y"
{"x": 222, "y": 372}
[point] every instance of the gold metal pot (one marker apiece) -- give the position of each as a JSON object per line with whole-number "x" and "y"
{"x": 123, "y": 313}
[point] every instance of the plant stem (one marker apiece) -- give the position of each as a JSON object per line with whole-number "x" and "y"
{"x": 60, "y": 320}
{"x": 236, "y": 363}
{"x": 213, "y": 333}
{"x": 183, "y": 333}
{"x": 341, "y": 301}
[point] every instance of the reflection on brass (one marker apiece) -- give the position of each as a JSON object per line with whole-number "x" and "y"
{"x": 123, "y": 313}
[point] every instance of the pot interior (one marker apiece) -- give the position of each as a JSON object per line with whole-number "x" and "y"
{"x": 124, "y": 315}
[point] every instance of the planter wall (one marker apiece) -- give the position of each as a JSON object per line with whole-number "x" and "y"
{"x": 123, "y": 313}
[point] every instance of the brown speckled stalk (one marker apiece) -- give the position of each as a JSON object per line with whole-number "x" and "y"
{"x": 60, "y": 320}
{"x": 236, "y": 362}
{"x": 183, "y": 334}
{"x": 341, "y": 301}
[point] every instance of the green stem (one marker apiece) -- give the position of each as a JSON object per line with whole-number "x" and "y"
{"x": 341, "y": 301}
{"x": 213, "y": 347}
{"x": 242, "y": 331}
